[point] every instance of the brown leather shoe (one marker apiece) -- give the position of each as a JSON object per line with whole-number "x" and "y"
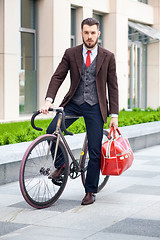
{"x": 88, "y": 199}
{"x": 57, "y": 173}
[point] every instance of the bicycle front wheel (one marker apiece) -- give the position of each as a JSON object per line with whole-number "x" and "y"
{"x": 102, "y": 179}
{"x": 37, "y": 164}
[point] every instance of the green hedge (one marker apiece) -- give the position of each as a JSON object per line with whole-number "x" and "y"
{"x": 22, "y": 131}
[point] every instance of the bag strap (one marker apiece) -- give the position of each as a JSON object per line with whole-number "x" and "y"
{"x": 118, "y": 132}
{"x": 111, "y": 130}
{"x": 114, "y": 133}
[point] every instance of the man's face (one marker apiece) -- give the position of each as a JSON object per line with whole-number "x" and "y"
{"x": 90, "y": 35}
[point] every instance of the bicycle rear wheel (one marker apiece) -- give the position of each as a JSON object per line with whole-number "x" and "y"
{"x": 102, "y": 179}
{"x": 37, "y": 189}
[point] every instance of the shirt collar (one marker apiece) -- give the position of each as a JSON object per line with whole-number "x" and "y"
{"x": 93, "y": 51}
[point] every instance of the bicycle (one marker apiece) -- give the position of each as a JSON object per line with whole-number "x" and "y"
{"x": 39, "y": 162}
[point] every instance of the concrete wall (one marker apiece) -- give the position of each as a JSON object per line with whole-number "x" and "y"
{"x": 10, "y": 59}
{"x": 156, "y": 10}
{"x": 2, "y": 58}
{"x": 153, "y": 75}
{"x": 116, "y": 40}
{"x": 140, "y": 12}
{"x": 153, "y": 71}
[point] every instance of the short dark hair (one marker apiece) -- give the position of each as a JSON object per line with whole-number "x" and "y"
{"x": 90, "y": 22}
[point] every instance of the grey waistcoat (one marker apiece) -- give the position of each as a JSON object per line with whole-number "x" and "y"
{"x": 86, "y": 91}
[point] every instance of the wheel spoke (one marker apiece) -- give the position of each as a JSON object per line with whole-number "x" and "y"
{"x": 37, "y": 189}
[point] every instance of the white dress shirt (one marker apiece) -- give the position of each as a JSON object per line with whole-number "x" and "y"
{"x": 93, "y": 53}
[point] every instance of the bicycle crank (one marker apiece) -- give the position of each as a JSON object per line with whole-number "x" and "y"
{"x": 74, "y": 170}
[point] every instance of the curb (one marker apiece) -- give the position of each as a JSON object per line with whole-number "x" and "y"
{"x": 140, "y": 136}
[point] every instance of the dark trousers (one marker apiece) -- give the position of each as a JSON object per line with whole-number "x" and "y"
{"x": 94, "y": 126}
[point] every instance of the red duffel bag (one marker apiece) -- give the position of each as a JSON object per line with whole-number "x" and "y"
{"x": 116, "y": 154}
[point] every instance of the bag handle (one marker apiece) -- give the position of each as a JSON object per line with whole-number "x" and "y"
{"x": 114, "y": 133}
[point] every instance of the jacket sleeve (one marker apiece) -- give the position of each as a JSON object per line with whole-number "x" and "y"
{"x": 112, "y": 87}
{"x": 58, "y": 77}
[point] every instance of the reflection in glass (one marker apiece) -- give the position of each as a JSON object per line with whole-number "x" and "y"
{"x": 27, "y": 75}
{"x": 73, "y": 27}
{"x": 27, "y": 78}
{"x": 28, "y": 14}
{"x": 137, "y": 77}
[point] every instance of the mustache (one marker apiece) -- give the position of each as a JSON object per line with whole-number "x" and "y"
{"x": 88, "y": 44}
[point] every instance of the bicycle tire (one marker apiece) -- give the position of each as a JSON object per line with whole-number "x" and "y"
{"x": 102, "y": 179}
{"x": 37, "y": 189}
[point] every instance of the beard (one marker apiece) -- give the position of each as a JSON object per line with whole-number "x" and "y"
{"x": 91, "y": 44}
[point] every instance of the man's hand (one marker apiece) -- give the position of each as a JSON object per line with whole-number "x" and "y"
{"x": 46, "y": 106}
{"x": 114, "y": 123}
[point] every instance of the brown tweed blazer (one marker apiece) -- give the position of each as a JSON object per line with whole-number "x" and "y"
{"x": 106, "y": 78}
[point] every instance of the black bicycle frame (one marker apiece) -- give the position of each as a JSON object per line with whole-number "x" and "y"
{"x": 58, "y": 133}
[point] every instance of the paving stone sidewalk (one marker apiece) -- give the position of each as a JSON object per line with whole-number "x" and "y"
{"x": 128, "y": 208}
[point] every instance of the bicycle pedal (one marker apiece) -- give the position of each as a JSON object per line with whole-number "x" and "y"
{"x": 57, "y": 181}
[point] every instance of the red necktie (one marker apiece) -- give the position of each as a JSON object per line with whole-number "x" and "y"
{"x": 88, "y": 59}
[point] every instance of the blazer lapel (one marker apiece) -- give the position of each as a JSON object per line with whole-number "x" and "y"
{"x": 100, "y": 59}
{"x": 79, "y": 57}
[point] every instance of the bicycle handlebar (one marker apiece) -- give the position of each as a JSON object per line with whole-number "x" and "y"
{"x": 58, "y": 110}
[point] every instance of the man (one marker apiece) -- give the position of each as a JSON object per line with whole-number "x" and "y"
{"x": 91, "y": 69}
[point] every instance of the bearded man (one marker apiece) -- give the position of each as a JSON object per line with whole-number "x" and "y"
{"x": 92, "y": 72}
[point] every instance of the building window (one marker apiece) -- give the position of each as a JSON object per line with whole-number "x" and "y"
{"x": 73, "y": 26}
{"x": 28, "y": 73}
{"x": 143, "y": 1}
{"x": 137, "y": 70}
{"x": 99, "y": 17}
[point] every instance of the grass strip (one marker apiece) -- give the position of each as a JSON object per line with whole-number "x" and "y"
{"x": 16, "y": 132}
